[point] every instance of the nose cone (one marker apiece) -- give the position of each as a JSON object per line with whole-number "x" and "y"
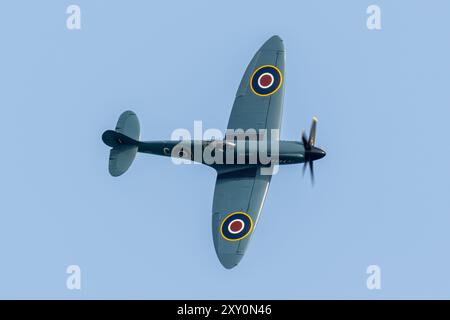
{"x": 317, "y": 154}
{"x": 322, "y": 153}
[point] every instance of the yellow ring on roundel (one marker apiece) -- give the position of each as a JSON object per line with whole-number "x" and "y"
{"x": 232, "y": 214}
{"x": 276, "y": 89}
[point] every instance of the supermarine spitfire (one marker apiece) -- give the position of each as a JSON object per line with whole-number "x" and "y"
{"x": 241, "y": 186}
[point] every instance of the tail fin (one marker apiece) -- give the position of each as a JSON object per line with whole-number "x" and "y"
{"x": 124, "y": 143}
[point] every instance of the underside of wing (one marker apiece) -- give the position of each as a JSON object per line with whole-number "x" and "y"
{"x": 241, "y": 190}
{"x": 259, "y": 98}
{"x": 238, "y": 199}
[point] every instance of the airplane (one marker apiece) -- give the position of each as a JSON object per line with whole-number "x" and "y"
{"x": 240, "y": 188}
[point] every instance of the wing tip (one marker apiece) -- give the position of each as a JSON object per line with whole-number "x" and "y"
{"x": 276, "y": 37}
{"x": 229, "y": 260}
{"x": 273, "y": 43}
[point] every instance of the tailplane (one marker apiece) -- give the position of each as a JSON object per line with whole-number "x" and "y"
{"x": 124, "y": 143}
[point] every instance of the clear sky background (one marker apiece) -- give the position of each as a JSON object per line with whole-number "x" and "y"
{"x": 381, "y": 194}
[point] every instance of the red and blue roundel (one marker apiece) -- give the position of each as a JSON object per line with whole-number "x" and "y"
{"x": 266, "y": 80}
{"x": 236, "y": 226}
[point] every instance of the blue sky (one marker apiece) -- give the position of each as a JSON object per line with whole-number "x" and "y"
{"x": 381, "y": 194}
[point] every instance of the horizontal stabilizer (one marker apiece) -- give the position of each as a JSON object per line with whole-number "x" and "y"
{"x": 128, "y": 124}
{"x": 121, "y": 158}
{"x": 124, "y": 143}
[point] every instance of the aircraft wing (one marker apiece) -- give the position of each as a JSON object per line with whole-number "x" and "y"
{"x": 259, "y": 98}
{"x": 241, "y": 190}
{"x": 238, "y": 199}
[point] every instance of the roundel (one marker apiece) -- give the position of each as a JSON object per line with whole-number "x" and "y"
{"x": 236, "y": 226}
{"x": 266, "y": 80}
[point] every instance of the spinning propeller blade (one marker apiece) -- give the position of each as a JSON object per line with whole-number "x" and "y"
{"x": 309, "y": 142}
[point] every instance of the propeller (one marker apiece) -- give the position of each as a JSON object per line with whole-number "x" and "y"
{"x": 309, "y": 145}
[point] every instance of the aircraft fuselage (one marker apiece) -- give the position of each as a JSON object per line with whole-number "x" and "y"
{"x": 220, "y": 152}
